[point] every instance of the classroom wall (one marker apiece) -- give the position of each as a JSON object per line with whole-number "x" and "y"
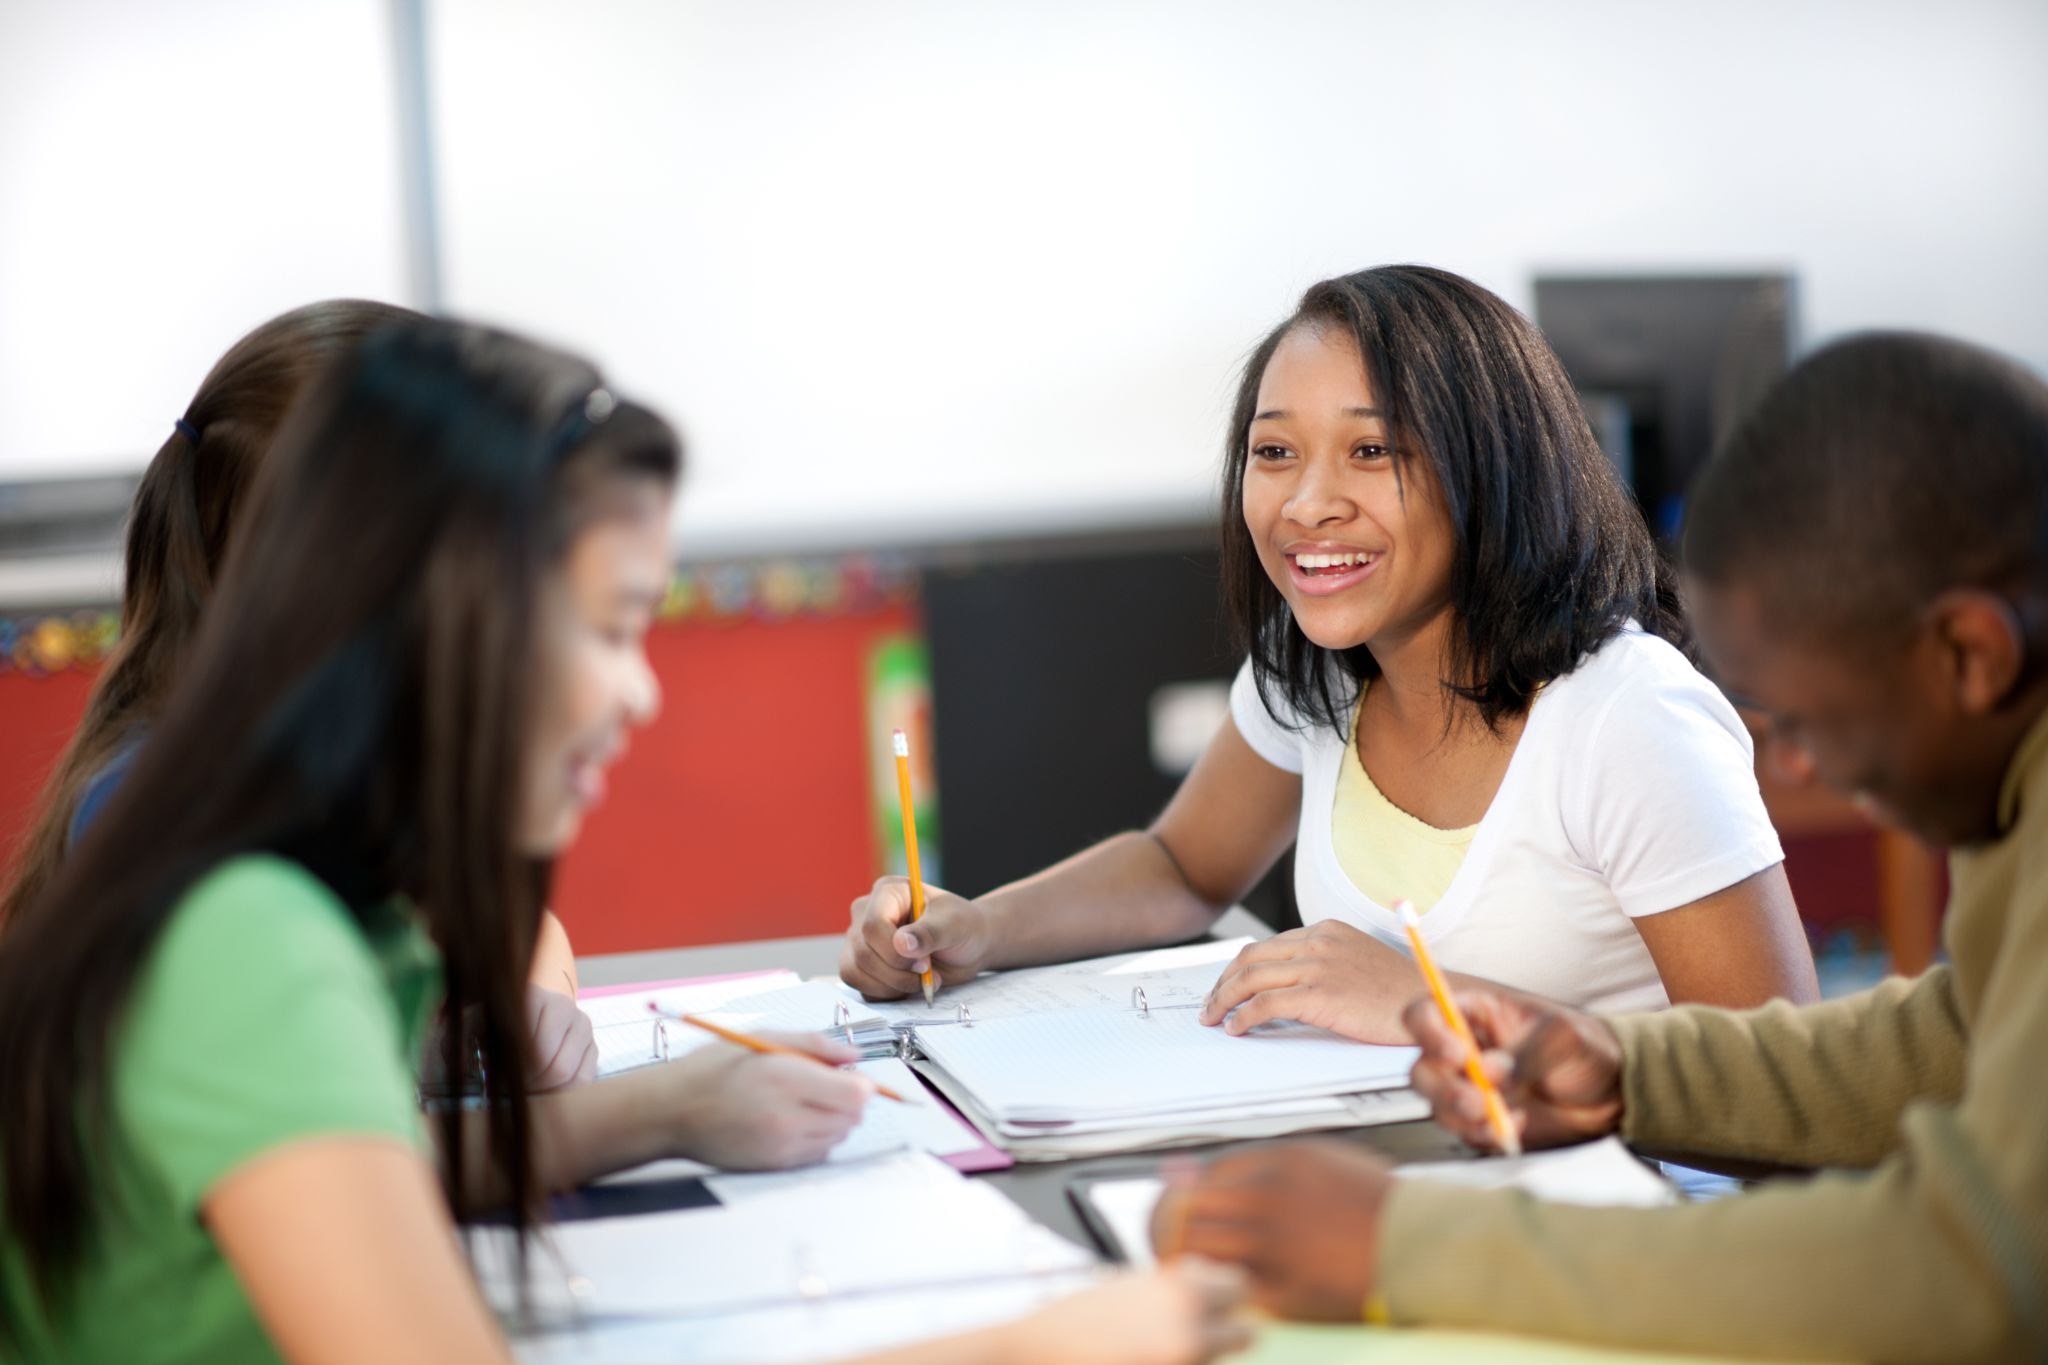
{"x": 171, "y": 175}
{"x": 916, "y": 262}
{"x": 909, "y": 264}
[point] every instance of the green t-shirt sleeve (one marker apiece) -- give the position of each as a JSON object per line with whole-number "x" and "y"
{"x": 261, "y": 1017}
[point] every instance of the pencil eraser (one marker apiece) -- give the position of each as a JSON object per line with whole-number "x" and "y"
{"x": 902, "y": 744}
{"x": 1407, "y": 913}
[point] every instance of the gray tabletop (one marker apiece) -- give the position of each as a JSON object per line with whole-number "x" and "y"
{"x": 1040, "y": 1189}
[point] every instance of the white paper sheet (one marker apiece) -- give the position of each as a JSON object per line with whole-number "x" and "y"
{"x": 829, "y": 1330}
{"x": 906, "y": 1221}
{"x": 1595, "y": 1173}
{"x": 1168, "y": 976}
{"x": 1603, "y": 1172}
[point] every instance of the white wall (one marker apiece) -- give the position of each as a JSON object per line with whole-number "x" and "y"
{"x": 996, "y": 263}
{"x": 907, "y": 265}
{"x": 170, "y": 175}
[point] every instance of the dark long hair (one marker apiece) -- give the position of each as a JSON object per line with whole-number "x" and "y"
{"x": 1552, "y": 556}
{"x": 188, "y": 503}
{"x": 359, "y": 699}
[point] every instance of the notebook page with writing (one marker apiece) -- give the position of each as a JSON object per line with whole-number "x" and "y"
{"x": 922, "y": 1124}
{"x": 1056, "y": 1068}
{"x": 626, "y": 1034}
{"x": 1168, "y": 976}
{"x": 624, "y": 1030}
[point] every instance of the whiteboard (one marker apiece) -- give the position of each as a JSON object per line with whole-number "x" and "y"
{"x": 905, "y": 268}
{"x": 898, "y": 266}
{"x": 170, "y": 176}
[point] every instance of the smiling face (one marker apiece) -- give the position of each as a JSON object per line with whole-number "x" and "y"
{"x": 1361, "y": 554}
{"x": 596, "y": 606}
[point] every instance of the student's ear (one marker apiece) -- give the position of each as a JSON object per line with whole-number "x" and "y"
{"x": 1983, "y": 647}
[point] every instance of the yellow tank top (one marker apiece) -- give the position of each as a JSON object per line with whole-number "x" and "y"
{"x": 1388, "y": 854}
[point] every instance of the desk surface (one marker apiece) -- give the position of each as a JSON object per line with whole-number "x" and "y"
{"x": 1040, "y": 1189}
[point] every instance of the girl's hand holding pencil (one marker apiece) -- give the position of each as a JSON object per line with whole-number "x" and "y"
{"x": 762, "y": 1044}
{"x": 745, "y": 1110}
{"x": 885, "y": 951}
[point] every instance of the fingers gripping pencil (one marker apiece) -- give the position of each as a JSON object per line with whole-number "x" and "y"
{"x": 1496, "y": 1109}
{"x": 929, "y": 979}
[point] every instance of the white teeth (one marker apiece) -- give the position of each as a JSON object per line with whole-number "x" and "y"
{"x": 1343, "y": 561}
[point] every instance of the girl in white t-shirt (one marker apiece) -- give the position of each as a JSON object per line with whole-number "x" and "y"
{"x": 1464, "y": 690}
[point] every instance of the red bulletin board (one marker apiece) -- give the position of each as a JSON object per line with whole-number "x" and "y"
{"x": 38, "y": 712}
{"x": 743, "y": 812}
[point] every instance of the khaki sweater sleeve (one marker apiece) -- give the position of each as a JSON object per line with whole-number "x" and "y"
{"x": 1818, "y": 1085}
{"x": 1938, "y": 1254}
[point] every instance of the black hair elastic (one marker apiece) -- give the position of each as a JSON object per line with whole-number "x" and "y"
{"x": 187, "y": 430}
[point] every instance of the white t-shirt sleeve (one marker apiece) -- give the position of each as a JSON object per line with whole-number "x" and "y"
{"x": 1269, "y": 739}
{"x": 1664, "y": 801}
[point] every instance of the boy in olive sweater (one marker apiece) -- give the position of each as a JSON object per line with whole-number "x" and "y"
{"x": 1867, "y": 563}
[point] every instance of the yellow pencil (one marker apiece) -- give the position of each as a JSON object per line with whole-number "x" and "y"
{"x": 753, "y": 1044}
{"x": 930, "y": 980}
{"x": 1496, "y": 1108}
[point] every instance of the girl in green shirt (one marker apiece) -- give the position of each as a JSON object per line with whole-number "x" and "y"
{"x": 187, "y": 507}
{"x": 425, "y": 650}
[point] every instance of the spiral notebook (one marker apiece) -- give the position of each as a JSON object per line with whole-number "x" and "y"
{"x": 1106, "y": 1055}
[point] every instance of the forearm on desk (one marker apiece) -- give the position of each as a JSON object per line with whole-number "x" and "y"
{"x": 1903, "y": 1264}
{"x": 1938, "y": 1254}
{"x": 578, "y": 1134}
{"x": 1126, "y": 892}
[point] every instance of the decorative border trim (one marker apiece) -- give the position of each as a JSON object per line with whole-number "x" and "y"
{"x": 778, "y": 589}
{"x": 43, "y": 643}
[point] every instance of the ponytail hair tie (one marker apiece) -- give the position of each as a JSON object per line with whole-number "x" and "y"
{"x": 187, "y": 430}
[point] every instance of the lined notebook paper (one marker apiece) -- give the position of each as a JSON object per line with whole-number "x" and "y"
{"x": 923, "y": 1124}
{"x": 1168, "y": 976}
{"x": 1097, "y": 1064}
{"x": 628, "y": 1037}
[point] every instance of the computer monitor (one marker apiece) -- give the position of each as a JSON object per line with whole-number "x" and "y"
{"x": 1665, "y": 365}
